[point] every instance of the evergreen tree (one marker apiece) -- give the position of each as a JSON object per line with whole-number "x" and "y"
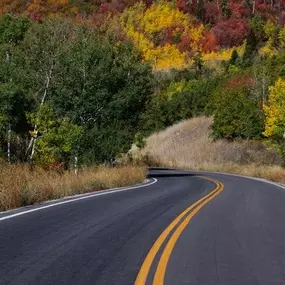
{"x": 250, "y": 49}
{"x": 234, "y": 57}
{"x": 224, "y": 7}
{"x": 200, "y": 9}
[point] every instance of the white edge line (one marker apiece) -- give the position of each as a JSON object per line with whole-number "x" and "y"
{"x": 105, "y": 192}
{"x": 280, "y": 185}
{"x": 246, "y": 177}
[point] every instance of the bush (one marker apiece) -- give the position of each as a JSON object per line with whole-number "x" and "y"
{"x": 236, "y": 115}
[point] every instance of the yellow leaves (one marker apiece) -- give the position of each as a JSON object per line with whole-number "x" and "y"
{"x": 175, "y": 88}
{"x": 281, "y": 37}
{"x": 158, "y": 31}
{"x": 275, "y": 110}
{"x": 165, "y": 57}
{"x": 224, "y": 54}
{"x": 162, "y": 16}
{"x": 269, "y": 28}
{"x": 269, "y": 48}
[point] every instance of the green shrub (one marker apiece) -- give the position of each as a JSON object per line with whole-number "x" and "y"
{"x": 236, "y": 114}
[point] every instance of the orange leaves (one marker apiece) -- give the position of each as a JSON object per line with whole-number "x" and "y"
{"x": 241, "y": 81}
{"x": 209, "y": 43}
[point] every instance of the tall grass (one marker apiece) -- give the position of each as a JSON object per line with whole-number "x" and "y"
{"x": 19, "y": 186}
{"x": 188, "y": 145}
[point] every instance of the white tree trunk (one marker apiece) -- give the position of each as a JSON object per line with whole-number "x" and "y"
{"x": 253, "y": 7}
{"x": 33, "y": 148}
{"x": 76, "y": 164}
{"x": 9, "y": 144}
{"x": 8, "y": 56}
{"x": 34, "y": 140}
{"x": 8, "y": 60}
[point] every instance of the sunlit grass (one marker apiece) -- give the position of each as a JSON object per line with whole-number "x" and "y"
{"x": 20, "y": 186}
{"x": 188, "y": 145}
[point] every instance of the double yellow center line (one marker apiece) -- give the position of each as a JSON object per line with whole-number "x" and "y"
{"x": 181, "y": 222}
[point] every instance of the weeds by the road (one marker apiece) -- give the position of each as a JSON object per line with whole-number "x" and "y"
{"x": 20, "y": 186}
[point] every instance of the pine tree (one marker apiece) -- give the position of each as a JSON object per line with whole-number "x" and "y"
{"x": 224, "y": 7}
{"x": 200, "y": 9}
{"x": 234, "y": 57}
{"x": 250, "y": 49}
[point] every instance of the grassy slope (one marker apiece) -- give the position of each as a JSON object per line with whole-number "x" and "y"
{"x": 188, "y": 145}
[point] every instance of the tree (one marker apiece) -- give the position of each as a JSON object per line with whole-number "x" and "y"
{"x": 271, "y": 32}
{"x": 257, "y": 25}
{"x": 12, "y": 31}
{"x": 41, "y": 49}
{"x": 274, "y": 111}
{"x": 250, "y": 49}
{"x": 281, "y": 38}
{"x": 231, "y": 32}
{"x": 179, "y": 101}
{"x": 225, "y": 9}
{"x": 58, "y": 138}
{"x": 200, "y": 9}
{"x": 102, "y": 87}
{"x": 234, "y": 58}
{"x": 236, "y": 115}
{"x": 13, "y": 107}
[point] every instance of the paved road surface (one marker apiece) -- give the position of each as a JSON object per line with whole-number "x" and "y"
{"x": 235, "y": 235}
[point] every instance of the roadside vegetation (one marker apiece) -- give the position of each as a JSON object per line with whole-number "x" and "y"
{"x": 70, "y": 101}
{"x": 21, "y": 186}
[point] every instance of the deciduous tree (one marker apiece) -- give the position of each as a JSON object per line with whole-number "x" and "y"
{"x": 274, "y": 111}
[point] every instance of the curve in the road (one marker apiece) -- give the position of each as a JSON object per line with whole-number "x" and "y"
{"x": 173, "y": 232}
{"x": 237, "y": 238}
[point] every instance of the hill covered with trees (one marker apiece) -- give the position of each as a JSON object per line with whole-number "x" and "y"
{"x": 178, "y": 29}
{"x": 85, "y": 79}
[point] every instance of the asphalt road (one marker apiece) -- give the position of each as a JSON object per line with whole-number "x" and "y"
{"x": 233, "y": 235}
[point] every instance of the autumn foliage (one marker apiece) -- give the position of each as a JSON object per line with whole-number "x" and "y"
{"x": 169, "y": 34}
{"x": 165, "y": 35}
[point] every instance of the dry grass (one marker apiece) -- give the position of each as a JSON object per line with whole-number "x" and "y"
{"x": 20, "y": 186}
{"x": 188, "y": 145}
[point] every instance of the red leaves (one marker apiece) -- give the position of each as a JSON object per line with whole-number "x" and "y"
{"x": 231, "y": 32}
{"x": 212, "y": 13}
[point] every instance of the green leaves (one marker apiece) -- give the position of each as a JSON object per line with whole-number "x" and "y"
{"x": 236, "y": 115}
{"x": 103, "y": 87}
{"x": 59, "y": 138}
{"x": 12, "y": 30}
{"x": 83, "y": 91}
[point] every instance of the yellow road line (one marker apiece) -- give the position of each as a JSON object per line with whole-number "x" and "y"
{"x": 162, "y": 265}
{"x": 143, "y": 273}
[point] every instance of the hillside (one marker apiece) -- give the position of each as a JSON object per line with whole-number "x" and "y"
{"x": 189, "y": 145}
{"x": 181, "y": 30}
